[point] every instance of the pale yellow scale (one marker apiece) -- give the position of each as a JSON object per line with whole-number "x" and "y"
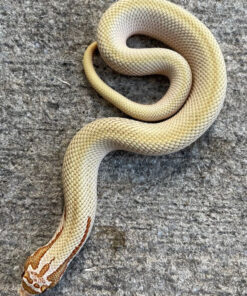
{"x": 196, "y": 70}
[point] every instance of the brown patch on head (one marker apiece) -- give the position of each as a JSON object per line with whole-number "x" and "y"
{"x": 27, "y": 277}
{"x": 36, "y": 286}
{"x": 36, "y": 257}
{"x": 45, "y": 268}
{"x": 28, "y": 289}
{"x": 55, "y": 276}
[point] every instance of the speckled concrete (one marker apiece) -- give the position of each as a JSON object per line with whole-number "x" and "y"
{"x": 172, "y": 225}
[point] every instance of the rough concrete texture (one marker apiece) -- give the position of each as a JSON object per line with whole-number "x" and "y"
{"x": 172, "y": 225}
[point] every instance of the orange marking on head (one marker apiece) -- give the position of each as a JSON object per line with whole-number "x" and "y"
{"x": 36, "y": 257}
{"x": 27, "y": 288}
{"x": 36, "y": 285}
{"x": 27, "y": 277}
{"x": 45, "y": 268}
{"x": 55, "y": 276}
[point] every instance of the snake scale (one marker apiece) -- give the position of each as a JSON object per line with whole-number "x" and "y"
{"x": 196, "y": 70}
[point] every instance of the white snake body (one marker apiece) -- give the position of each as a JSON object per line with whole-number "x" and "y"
{"x": 197, "y": 75}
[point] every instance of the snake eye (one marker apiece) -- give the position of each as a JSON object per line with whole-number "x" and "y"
{"x": 44, "y": 288}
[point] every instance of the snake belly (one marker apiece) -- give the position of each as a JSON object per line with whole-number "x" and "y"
{"x": 196, "y": 70}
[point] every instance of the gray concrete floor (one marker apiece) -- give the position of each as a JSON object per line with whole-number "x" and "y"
{"x": 172, "y": 225}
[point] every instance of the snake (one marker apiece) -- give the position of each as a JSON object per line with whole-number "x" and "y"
{"x": 193, "y": 63}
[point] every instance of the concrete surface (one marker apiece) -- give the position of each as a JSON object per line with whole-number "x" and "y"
{"x": 172, "y": 225}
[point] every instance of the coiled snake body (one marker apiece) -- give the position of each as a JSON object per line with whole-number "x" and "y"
{"x": 197, "y": 75}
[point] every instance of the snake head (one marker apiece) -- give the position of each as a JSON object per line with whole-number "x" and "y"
{"x": 33, "y": 283}
{"x": 35, "y": 277}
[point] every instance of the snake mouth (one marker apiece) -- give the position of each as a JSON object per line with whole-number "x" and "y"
{"x": 23, "y": 292}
